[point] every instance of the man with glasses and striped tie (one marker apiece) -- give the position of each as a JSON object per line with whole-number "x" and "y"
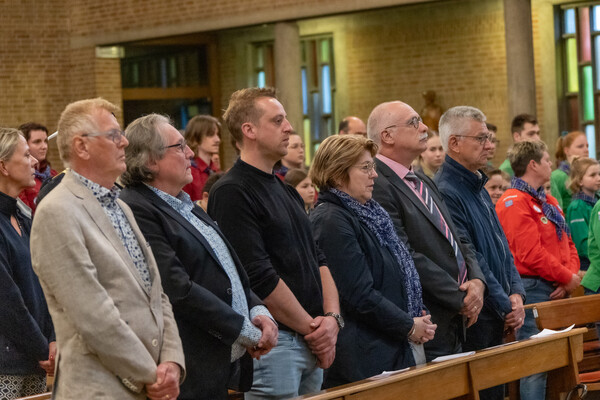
{"x": 453, "y": 284}
{"x": 467, "y": 142}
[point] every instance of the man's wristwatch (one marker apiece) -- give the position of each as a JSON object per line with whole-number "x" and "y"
{"x": 338, "y": 318}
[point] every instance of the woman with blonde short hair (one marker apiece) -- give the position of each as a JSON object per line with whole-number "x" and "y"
{"x": 379, "y": 288}
{"x": 26, "y": 331}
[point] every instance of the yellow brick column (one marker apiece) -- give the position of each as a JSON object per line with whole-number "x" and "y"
{"x": 287, "y": 71}
{"x": 519, "y": 57}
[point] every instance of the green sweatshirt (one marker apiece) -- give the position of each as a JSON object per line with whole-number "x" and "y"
{"x": 591, "y": 280}
{"x": 578, "y": 218}
{"x": 505, "y": 166}
{"x": 558, "y": 188}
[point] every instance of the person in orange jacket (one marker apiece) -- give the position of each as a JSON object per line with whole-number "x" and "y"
{"x": 539, "y": 240}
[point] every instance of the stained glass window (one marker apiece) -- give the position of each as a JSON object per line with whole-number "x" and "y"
{"x": 572, "y": 70}
{"x": 569, "y": 18}
{"x": 580, "y": 49}
{"x": 585, "y": 49}
{"x": 588, "y": 94}
{"x": 590, "y": 133}
{"x": 596, "y": 15}
{"x": 317, "y": 81}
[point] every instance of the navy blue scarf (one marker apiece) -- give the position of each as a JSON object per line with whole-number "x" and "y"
{"x": 591, "y": 200}
{"x": 551, "y": 212}
{"x": 43, "y": 175}
{"x": 380, "y": 224}
{"x": 565, "y": 167}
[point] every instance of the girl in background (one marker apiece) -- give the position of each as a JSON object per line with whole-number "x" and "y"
{"x": 568, "y": 147}
{"x": 203, "y": 135}
{"x": 498, "y": 182}
{"x": 585, "y": 182}
{"x": 432, "y": 158}
{"x": 299, "y": 179}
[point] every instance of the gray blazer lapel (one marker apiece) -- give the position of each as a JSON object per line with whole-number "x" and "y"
{"x": 103, "y": 223}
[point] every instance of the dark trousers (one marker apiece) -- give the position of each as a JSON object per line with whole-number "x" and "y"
{"x": 487, "y": 332}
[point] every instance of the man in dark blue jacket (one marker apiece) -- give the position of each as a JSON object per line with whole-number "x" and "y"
{"x": 466, "y": 140}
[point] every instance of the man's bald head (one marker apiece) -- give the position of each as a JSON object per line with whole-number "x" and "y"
{"x": 382, "y": 116}
{"x": 352, "y": 126}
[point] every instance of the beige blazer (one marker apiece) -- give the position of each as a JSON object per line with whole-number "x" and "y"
{"x": 110, "y": 332}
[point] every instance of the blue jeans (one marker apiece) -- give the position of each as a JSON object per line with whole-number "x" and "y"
{"x": 288, "y": 370}
{"x": 533, "y": 387}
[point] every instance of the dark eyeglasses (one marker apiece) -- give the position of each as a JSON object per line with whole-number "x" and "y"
{"x": 415, "y": 122}
{"x": 479, "y": 139}
{"x": 116, "y": 135}
{"x": 180, "y": 146}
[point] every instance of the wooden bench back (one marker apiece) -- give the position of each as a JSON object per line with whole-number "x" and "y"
{"x": 557, "y": 314}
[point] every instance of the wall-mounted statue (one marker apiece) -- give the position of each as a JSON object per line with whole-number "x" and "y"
{"x": 432, "y": 111}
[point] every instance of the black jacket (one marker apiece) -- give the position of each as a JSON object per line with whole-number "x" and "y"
{"x": 433, "y": 255}
{"x": 25, "y": 324}
{"x": 372, "y": 295}
{"x": 199, "y": 290}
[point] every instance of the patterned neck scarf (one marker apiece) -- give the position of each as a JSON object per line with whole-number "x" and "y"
{"x": 380, "y": 224}
{"x": 551, "y": 212}
{"x": 591, "y": 200}
{"x": 43, "y": 175}
{"x": 565, "y": 167}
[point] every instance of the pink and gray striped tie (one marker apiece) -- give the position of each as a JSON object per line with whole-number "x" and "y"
{"x": 440, "y": 223}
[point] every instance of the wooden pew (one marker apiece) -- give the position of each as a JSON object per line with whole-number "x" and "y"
{"x": 557, "y": 314}
{"x": 581, "y": 311}
{"x": 463, "y": 378}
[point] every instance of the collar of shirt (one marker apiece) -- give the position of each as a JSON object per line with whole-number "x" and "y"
{"x": 398, "y": 168}
{"x": 401, "y": 171}
{"x": 202, "y": 166}
{"x": 106, "y": 197}
{"x": 181, "y": 203}
{"x": 282, "y": 170}
{"x": 474, "y": 181}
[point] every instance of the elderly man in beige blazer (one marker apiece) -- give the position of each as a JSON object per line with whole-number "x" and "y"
{"x": 116, "y": 335}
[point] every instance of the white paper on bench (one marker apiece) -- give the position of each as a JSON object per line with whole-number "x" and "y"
{"x": 385, "y": 374}
{"x": 452, "y": 356}
{"x": 548, "y": 332}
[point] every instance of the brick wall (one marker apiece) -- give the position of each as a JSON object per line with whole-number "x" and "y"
{"x": 113, "y": 21}
{"x": 34, "y": 44}
{"x": 455, "y": 48}
{"x": 39, "y": 72}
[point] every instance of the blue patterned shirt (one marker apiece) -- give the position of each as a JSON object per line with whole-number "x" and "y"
{"x": 108, "y": 201}
{"x": 250, "y": 334}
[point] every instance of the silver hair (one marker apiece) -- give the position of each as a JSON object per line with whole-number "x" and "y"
{"x": 79, "y": 118}
{"x": 455, "y": 120}
{"x": 146, "y": 144}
